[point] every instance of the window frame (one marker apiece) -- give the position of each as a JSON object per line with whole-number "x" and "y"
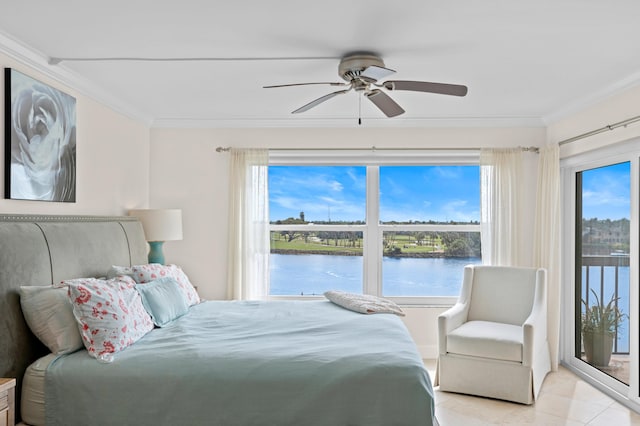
{"x": 372, "y": 247}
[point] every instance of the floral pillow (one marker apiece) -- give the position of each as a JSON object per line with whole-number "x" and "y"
{"x": 116, "y": 271}
{"x": 109, "y": 313}
{"x": 147, "y": 273}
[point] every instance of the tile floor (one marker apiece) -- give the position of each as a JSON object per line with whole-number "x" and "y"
{"x": 564, "y": 399}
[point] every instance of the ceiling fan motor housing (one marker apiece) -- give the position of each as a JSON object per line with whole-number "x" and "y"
{"x": 351, "y": 66}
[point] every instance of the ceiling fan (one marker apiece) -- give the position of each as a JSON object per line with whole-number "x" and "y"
{"x": 362, "y": 72}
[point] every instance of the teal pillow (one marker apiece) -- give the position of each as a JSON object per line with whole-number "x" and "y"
{"x": 163, "y": 299}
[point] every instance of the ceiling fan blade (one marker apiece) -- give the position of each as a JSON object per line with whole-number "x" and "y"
{"x": 425, "y": 86}
{"x": 319, "y": 101}
{"x": 304, "y": 84}
{"x": 374, "y": 73}
{"x": 387, "y": 105}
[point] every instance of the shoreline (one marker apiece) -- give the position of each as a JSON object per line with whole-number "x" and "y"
{"x": 430, "y": 255}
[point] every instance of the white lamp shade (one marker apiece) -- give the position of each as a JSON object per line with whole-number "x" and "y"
{"x": 160, "y": 224}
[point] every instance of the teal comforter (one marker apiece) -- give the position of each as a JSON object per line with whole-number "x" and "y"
{"x": 251, "y": 363}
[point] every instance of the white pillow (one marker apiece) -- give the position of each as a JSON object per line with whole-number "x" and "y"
{"x": 49, "y": 315}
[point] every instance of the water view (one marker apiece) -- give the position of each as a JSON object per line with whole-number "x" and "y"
{"x": 308, "y": 274}
{"x": 606, "y": 280}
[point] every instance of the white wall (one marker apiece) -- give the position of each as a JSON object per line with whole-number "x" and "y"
{"x": 187, "y": 173}
{"x": 112, "y": 159}
{"x": 422, "y": 323}
{"x": 610, "y": 111}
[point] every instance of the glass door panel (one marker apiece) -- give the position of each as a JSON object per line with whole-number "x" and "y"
{"x": 602, "y": 268}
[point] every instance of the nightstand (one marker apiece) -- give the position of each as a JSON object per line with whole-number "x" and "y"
{"x": 7, "y": 402}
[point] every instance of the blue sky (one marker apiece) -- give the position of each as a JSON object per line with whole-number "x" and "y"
{"x": 418, "y": 193}
{"x": 606, "y": 192}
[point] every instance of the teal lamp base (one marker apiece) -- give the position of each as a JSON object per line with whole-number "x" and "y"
{"x": 155, "y": 252}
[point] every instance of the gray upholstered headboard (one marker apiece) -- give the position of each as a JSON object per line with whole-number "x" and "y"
{"x": 42, "y": 250}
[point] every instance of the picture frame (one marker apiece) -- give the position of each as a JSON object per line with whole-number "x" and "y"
{"x": 40, "y": 140}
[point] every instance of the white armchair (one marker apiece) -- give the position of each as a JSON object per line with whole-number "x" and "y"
{"x": 493, "y": 341}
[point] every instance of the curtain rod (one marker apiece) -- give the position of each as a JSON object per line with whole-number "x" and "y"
{"x": 373, "y": 148}
{"x": 623, "y": 123}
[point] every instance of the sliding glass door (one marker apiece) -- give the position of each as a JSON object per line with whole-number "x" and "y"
{"x": 600, "y": 269}
{"x": 602, "y": 303}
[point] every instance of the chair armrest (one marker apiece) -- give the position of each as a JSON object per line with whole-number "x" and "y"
{"x": 535, "y": 326}
{"x": 449, "y": 320}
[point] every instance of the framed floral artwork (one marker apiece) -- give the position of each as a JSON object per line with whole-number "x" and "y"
{"x": 40, "y": 140}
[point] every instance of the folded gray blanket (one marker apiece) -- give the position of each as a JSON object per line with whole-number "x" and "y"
{"x": 363, "y": 303}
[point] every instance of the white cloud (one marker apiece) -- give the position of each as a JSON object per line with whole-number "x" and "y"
{"x": 335, "y": 186}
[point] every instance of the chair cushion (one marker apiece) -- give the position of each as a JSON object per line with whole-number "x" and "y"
{"x": 502, "y": 294}
{"x": 487, "y": 340}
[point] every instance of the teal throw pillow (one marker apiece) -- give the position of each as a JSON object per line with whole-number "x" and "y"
{"x": 163, "y": 299}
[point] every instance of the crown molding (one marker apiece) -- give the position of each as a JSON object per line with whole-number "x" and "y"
{"x": 39, "y": 62}
{"x": 592, "y": 99}
{"x": 432, "y": 122}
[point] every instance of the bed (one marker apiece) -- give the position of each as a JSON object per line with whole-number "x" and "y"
{"x": 221, "y": 363}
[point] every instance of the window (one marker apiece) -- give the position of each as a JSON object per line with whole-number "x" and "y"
{"x": 428, "y": 217}
{"x": 400, "y": 231}
{"x": 317, "y": 215}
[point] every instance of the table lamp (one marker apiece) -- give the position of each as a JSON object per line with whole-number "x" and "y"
{"x": 159, "y": 225}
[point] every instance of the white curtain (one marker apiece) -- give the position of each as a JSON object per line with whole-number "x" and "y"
{"x": 248, "y": 224}
{"x": 500, "y": 206}
{"x": 546, "y": 246}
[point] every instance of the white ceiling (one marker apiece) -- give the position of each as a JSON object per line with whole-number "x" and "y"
{"x": 525, "y": 62}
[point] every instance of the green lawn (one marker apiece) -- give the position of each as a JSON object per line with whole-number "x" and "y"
{"x": 406, "y": 243}
{"x": 300, "y": 245}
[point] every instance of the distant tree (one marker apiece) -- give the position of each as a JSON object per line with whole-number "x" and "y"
{"x": 290, "y": 221}
{"x": 458, "y": 248}
{"x": 461, "y": 244}
{"x": 290, "y": 236}
{"x": 393, "y": 251}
